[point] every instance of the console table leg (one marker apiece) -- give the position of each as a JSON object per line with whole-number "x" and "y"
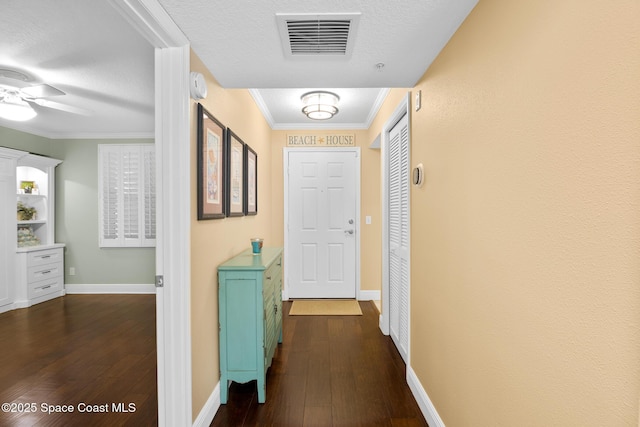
{"x": 224, "y": 389}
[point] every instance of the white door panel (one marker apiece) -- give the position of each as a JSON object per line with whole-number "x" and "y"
{"x": 321, "y": 229}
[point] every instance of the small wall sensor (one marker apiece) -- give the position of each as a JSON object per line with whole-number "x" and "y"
{"x": 417, "y": 177}
{"x": 197, "y": 86}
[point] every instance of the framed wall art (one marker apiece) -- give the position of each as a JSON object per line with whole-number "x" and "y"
{"x": 212, "y": 165}
{"x": 235, "y": 179}
{"x": 250, "y": 181}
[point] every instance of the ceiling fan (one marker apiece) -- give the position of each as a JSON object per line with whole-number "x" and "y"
{"x": 18, "y": 94}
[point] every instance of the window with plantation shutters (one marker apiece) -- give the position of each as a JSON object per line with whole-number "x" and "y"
{"x": 127, "y": 195}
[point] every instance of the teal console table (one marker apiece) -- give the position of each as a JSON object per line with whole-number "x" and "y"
{"x": 250, "y": 315}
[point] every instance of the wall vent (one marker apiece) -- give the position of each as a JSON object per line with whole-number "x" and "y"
{"x": 317, "y": 34}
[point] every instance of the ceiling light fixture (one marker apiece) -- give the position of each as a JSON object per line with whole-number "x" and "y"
{"x": 12, "y": 107}
{"x": 320, "y": 105}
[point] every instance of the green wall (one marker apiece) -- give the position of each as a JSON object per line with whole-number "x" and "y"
{"x": 25, "y": 141}
{"x": 77, "y": 212}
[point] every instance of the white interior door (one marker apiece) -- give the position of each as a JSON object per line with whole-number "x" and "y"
{"x": 322, "y": 188}
{"x": 399, "y": 235}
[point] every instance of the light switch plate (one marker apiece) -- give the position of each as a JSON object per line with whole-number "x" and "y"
{"x": 418, "y": 100}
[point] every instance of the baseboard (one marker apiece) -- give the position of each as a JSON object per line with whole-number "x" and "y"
{"x": 115, "y": 288}
{"x": 426, "y": 406}
{"x": 381, "y": 325}
{"x": 369, "y": 295}
{"x": 8, "y": 307}
{"x": 18, "y": 304}
{"x": 209, "y": 410}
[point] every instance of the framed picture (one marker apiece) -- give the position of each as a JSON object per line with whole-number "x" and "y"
{"x": 211, "y": 166}
{"x": 250, "y": 181}
{"x": 235, "y": 179}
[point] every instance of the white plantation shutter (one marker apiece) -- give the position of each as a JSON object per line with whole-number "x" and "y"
{"x": 126, "y": 175}
{"x": 109, "y": 164}
{"x": 149, "y": 212}
{"x": 131, "y": 192}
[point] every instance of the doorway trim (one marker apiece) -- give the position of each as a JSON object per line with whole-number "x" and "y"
{"x": 404, "y": 108}
{"x": 285, "y": 171}
{"x": 173, "y": 171}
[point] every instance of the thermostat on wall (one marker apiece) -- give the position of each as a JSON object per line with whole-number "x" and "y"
{"x": 417, "y": 178}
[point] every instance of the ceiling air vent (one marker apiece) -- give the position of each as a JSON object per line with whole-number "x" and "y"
{"x": 317, "y": 35}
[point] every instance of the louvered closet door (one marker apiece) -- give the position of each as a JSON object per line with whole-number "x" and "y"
{"x": 399, "y": 236}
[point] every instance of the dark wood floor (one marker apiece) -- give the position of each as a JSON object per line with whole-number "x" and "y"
{"x": 329, "y": 371}
{"x": 80, "y": 349}
{"x": 100, "y": 350}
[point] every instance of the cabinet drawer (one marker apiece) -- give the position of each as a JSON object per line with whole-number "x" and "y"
{"x": 45, "y": 287}
{"x": 272, "y": 277}
{"x": 267, "y": 286}
{"x": 47, "y": 256}
{"x": 43, "y": 272}
{"x": 273, "y": 269}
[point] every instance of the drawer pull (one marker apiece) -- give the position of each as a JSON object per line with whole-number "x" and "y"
{"x": 45, "y": 272}
{"x": 45, "y": 256}
{"x": 46, "y": 287}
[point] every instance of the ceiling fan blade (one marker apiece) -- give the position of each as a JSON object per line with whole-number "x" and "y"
{"x": 41, "y": 91}
{"x": 59, "y": 106}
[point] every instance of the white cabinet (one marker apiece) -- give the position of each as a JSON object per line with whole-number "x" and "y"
{"x": 40, "y": 274}
{"x": 40, "y": 264}
{"x": 35, "y": 189}
{"x": 31, "y": 263}
{"x": 8, "y": 162}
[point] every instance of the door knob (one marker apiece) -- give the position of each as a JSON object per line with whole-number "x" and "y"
{"x": 348, "y": 231}
{"x": 350, "y": 221}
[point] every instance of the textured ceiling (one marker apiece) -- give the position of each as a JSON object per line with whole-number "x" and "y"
{"x": 240, "y": 43}
{"x": 87, "y": 50}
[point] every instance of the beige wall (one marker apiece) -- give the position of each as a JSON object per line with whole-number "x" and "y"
{"x": 526, "y": 235}
{"x": 214, "y": 241}
{"x": 370, "y": 235}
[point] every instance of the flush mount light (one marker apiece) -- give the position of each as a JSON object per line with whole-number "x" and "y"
{"x": 14, "y": 108}
{"x": 320, "y": 105}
